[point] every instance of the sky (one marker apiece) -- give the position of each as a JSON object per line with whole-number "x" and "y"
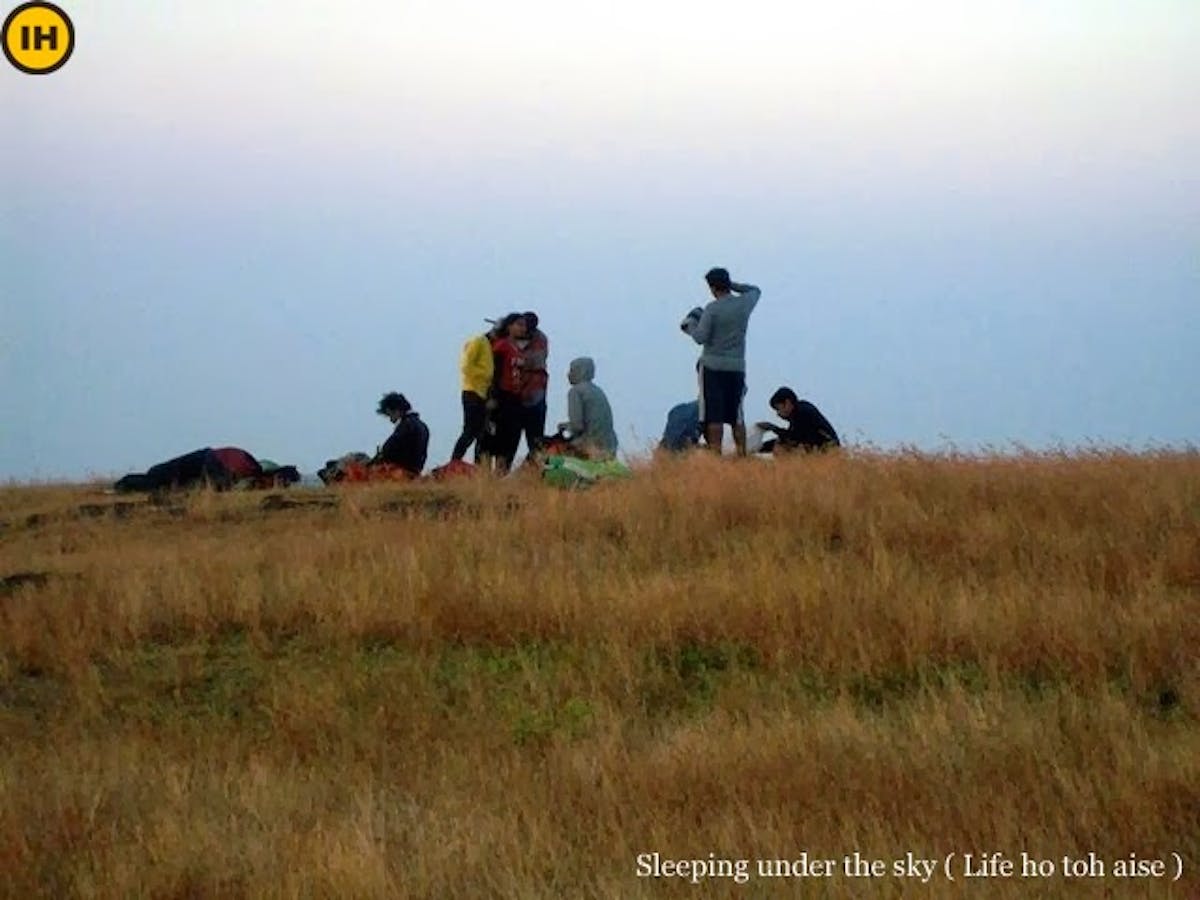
{"x": 975, "y": 225}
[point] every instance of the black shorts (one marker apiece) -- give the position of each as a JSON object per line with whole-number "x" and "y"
{"x": 721, "y": 396}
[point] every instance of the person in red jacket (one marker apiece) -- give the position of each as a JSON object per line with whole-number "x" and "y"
{"x": 536, "y": 350}
{"x": 508, "y": 387}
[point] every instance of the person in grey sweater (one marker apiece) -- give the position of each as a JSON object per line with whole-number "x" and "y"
{"x": 720, "y": 328}
{"x": 589, "y": 416}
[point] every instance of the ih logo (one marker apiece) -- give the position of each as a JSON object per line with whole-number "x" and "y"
{"x": 38, "y": 38}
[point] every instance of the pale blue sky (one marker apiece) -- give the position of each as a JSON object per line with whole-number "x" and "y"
{"x": 973, "y": 223}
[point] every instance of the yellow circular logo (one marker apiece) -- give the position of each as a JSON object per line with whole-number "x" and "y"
{"x": 38, "y": 38}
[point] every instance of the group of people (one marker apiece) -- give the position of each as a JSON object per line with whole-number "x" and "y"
{"x": 806, "y": 430}
{"x": 504, "y": 385}
{"x": 720, "y": 329}
{"x": 505, "y": 380}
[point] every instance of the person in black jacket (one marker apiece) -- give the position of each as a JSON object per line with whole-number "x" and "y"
{"x": 409, "y": 442}
{"x": 806, "y": 430}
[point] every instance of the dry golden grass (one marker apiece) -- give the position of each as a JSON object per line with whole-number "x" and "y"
{"x": 499, "y": 689}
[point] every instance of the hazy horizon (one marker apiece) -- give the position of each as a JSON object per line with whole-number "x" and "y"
{"x": 971, "y": 226}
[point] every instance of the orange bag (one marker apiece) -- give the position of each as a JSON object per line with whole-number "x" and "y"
{"x": 456, "y": 468}
{"x": 358, "y": 473}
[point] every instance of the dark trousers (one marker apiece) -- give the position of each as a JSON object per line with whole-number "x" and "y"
{"x": 533, "y": 423}
{"x": 474, "y": 422}
{"x": 509, "y": 417}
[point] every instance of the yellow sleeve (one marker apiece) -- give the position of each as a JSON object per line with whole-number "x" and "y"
{"x": 478, "y": 366}
{"x": 486, "y": 361}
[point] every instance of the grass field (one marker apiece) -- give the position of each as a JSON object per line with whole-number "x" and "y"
{"x": 497, "y": 689}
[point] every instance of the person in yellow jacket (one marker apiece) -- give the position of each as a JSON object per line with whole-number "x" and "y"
{"x": 478, "y": 368}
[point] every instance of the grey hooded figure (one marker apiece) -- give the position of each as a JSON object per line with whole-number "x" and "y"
{"x": 589, "y": 415}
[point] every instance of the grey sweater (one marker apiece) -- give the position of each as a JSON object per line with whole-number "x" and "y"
{"x": 588, "y": 410}
{"x": 722, "y": 329}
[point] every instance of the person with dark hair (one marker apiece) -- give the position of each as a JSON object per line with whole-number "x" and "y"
{"x": 408, "y": 445}
{"x": 507, "y": 386}
{"x": 478, "y": 370}
{"x": 806, "y": 430}
{"x": 720, "y": 328}
{"x": 718, "y": 281}
{"x": 535, "y": 350}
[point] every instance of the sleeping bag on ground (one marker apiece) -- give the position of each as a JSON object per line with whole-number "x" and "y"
{"x": 221, "y": 468}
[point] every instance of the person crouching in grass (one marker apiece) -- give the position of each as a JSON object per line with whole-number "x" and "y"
{"x": 807, "y": 430}
{"x": 589, "y": 425}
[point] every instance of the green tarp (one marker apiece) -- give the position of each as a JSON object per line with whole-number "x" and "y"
{"x": 569, "y": 472}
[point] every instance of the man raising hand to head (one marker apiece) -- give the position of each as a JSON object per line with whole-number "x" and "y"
{"x": 721, "y": 331}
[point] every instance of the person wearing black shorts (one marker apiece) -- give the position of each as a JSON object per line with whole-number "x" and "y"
{"x": 721, "y": 396}
{"x": 720, "y": 328}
